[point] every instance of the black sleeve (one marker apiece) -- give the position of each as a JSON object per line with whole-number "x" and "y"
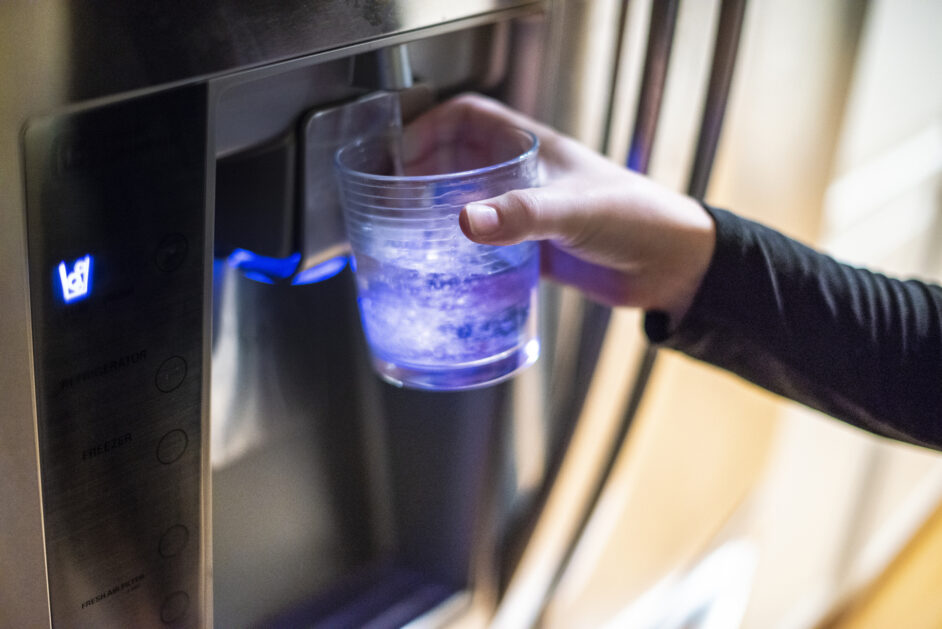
{"x": 857, "y": 345}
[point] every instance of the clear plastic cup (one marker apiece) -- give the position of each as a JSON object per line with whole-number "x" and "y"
{"x": 439, "y": 311}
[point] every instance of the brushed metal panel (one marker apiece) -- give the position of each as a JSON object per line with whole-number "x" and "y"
{"x": 119, "y": 369}
{"x": 165, "y": 42}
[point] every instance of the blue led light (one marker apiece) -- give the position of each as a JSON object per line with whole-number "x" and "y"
{"x": 258, "y": 277}
{"x": 320, "y": 272}
{"x": 268, "y": 270}
{"x": 77, "y": 283}
{"x": 261, "y": 268}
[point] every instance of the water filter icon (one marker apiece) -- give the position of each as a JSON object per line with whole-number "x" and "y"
{"x": 77, "y": 283}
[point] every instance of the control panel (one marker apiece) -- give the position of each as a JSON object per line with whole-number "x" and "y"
{"x": 116, "y": 226}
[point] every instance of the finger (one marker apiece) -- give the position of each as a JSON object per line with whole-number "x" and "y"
{"x": 469, "y": 117}
{"x": 529, "y": 214}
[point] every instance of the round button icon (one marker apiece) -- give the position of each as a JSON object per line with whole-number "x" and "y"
{"x": 174, "y": 607}
{"x": 173, "y": 541}
{"x": 170, "y": 374}
{"x": 171, "y": 252}
{"x": 172, "y": 446}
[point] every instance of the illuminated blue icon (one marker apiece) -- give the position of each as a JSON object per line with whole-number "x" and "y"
{"x": 77, "y": 284}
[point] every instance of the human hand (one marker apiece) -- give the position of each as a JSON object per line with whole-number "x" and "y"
{"x": 621, "y": 238}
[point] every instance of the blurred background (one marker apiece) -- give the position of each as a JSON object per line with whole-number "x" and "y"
{"x": 729, "y": 507}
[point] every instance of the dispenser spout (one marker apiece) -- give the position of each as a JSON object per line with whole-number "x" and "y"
{"x": 384, "y": 69}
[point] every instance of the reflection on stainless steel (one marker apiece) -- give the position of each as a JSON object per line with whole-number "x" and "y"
{"x": 711, "y": 595}
{"x": 531, "y": 592}
{"x": 726, "y": 45}
{"x": 291, "y": 503}
{"x": 618, "y": 55}
{"x": 660, "y": 42}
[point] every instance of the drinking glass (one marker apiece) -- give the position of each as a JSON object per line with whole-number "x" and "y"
{"x": 439, "y": 311}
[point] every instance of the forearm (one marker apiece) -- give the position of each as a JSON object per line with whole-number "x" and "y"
{"x": 857, "y": 345}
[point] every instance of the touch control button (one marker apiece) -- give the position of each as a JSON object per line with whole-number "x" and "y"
{"x": 170, "y": 374}
{"x": 172, "y": 446}
{"x": 171, "y": 252}
{"x": 174, "y": 607}
{"x": 173, "y": 541}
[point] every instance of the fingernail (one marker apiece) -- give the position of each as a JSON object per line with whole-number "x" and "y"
{"x": 483, "y": 220}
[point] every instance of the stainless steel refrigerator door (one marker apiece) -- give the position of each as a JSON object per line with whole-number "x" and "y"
{"x": 60, "y": 58}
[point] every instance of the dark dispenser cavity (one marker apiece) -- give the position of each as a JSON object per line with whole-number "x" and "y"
{"x": 256, "y": 192}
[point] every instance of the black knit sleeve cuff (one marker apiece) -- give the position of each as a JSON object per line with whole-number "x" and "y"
{"x": 715, "y": 290}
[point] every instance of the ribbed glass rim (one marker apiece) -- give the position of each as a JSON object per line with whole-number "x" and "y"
{"x": 464, "y": 174}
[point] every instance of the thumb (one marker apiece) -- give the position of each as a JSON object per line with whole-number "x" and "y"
{"x": 518, "y": 215}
